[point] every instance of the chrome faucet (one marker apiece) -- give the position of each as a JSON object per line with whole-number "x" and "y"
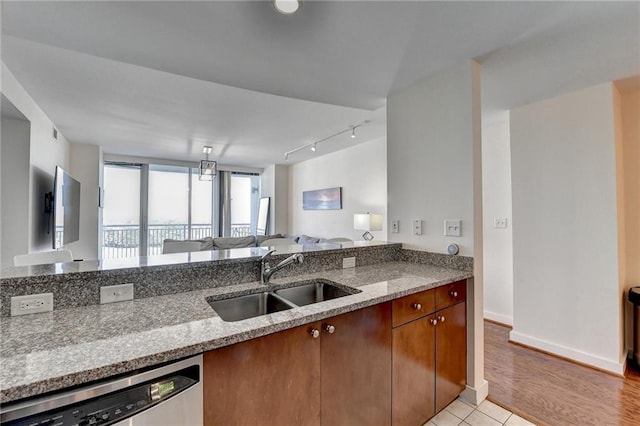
{"x": 266, "y": 270}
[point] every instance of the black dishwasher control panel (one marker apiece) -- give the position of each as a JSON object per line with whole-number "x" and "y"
{"x": 113, "y": 407}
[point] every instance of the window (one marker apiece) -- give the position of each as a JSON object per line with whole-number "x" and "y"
{"x": 148, "y": 203}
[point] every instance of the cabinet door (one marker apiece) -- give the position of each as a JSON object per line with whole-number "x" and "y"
{"x": 356, "y": 368}
{"x": 451, "y": 354}
{"x": 271, "y": 380}
{"x": 414, "y": 372}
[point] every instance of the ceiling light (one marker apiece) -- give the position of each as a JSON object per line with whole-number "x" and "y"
{"x": 208, "y": 168}
{"x": 313, "y": 147}
{"x": 353, "y": 132}
{"x": 286, "y": 7}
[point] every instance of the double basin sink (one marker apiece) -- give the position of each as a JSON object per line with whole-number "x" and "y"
{"x": 263, "y": 303}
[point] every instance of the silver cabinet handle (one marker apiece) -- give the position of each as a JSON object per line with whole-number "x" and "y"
{"x": 331, "y": 329}
{"x": 314, "y": 333}
{"x": 417, "y": 306}
{"x": 441, "y": 318}
{"x": 433, "y": 321}
{"x": 453, "y": 293}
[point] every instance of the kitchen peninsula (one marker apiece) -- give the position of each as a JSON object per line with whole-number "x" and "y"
{"x": 170, "y": 317}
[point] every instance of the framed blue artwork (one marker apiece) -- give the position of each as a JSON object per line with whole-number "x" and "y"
{"x": 322, "y": 199}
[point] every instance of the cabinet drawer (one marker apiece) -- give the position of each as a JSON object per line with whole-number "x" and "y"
{"x": 413, "y": 307}
{"x": 451, "y": 294}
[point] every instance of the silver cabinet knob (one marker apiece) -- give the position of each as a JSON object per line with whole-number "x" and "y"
{"x": 417, "y": 306}
{"x": 453, "y": 293}
{"x": 441, "y": 318}
{"x": 331, "y": 329}
{"x": 433, "y": 321}
{"x": 314, "y": 333}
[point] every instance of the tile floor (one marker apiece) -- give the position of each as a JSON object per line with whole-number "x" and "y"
{"x": 485, "y": 414}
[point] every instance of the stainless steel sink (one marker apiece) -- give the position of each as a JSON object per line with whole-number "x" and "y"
{"x": 249, "y": 306}
{"x": 308, "y": 292}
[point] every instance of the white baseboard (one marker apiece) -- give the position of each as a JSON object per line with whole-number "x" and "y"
{"x": 476, "y": 395}
{"x": 573, "y": 354}
{"x": 502, "y": 319}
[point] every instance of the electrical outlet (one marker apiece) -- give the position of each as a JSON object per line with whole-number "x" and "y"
{"x": 348, "y": 262}
{"x": 395, "y": 226}
{"x": 116, "y": 293}
{"x": 417, "y": 227}
{"x": 31, "y": 304}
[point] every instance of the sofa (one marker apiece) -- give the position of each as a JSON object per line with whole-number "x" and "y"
{"x": 223, "y": 243}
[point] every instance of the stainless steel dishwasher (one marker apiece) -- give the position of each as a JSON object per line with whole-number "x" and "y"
{"x": 170, "y": 395}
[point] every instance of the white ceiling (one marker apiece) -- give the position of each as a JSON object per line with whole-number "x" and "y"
{"x": 162, "y": 79}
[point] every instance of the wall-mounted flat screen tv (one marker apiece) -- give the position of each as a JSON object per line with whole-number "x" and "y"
{"x": 66, "y": 209}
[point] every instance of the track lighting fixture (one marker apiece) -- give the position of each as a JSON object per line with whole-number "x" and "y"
{"x": 314, "y": 146}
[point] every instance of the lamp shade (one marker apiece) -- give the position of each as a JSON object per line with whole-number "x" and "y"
{"x": 367, "y": 222}
{"x": 208, "y": 169}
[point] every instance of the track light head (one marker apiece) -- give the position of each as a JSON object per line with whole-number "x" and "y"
{"x": 313, "y": 147}
{"x": 353, "y": 132}
{"x": 286, "y": 7}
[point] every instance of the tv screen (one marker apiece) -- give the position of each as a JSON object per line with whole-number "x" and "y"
{"x": 66, "y": 209}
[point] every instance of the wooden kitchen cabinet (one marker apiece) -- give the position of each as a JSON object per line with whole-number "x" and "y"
{"x": 451, "y": 354}
{"x": 414, "y": 372}
{"x": 356, "y": 368}
{"x": 271, "y": 380}
{"x": 342, "y": 377}
{"x": 429, "y": 353}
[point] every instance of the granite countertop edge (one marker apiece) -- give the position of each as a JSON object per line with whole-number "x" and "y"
{"x": 14, "y": 388}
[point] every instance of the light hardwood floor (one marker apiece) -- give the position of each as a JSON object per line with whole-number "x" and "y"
{"x": 552, "y": 391}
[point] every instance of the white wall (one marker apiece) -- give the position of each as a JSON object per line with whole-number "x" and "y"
{"x": 430, "y": 160}
{"x": 565, "y": 248}
{"x": 498, "y": 242}
{"x": 86, "y": 166}
{"x": 360, "y": 170}
{"x": 14, "y": 143}
{"x": 45, "y": 154}
{"x": 434, "y": 172}
{"x": 274, "y": 183}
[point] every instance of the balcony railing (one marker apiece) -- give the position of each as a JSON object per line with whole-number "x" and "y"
{"x": 120, "y": 241}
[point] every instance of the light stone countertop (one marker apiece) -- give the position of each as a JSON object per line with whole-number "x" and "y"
{"x": 51, "y": 351}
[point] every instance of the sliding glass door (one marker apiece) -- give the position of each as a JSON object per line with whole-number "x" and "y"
{"x": 245, "y": 196}
{"x": 168, "y": 206}
{"x": 148, "y": 203}
{"x": 121, "y": 212}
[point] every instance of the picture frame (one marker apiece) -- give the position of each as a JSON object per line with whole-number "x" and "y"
{"x": 322, "y": 199}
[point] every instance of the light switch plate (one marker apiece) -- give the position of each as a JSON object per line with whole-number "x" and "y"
{"x": 500, "y": 222}
{"x": 116, "y": 293}
{"x": 452, "y": 228}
